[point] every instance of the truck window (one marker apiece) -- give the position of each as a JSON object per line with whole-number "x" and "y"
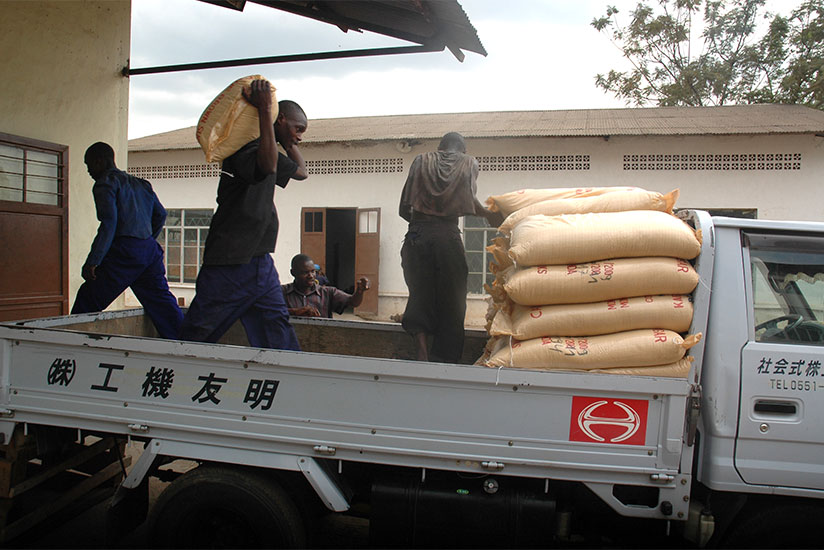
{"x": 788, "y": 288}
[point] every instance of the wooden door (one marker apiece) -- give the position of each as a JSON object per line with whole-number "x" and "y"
{"x": 34, "y": 279}
{"x": 367, "y": 256}
{"x": 313, "y": 236}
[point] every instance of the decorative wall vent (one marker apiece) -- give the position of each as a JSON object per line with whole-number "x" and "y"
{"x": 178, "y": 171}
{"x": 355, "y": 166}
{"x": 721, "y": 161}
{"x": 533, "y": 163}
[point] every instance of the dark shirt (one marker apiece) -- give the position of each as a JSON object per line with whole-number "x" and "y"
{"x": 127, "y": 206}
{"x": 246, "y": 221}
{"x": 325, "y": 299}
{"x": 441, "y": 184}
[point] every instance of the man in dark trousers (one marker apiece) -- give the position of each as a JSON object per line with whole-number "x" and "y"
{"x": 238, "y": 279}
{"x": 306, "y": 297}
{"x": 125, "y": 252}
{"x": 440, "y": 188}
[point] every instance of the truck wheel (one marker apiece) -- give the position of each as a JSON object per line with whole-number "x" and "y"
{"x": 782, "y": 526}
{"x": 220, "y": 506}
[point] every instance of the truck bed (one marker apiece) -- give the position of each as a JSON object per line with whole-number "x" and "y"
{"x": 352, "y": 408}
{"x": 355, "y": 395}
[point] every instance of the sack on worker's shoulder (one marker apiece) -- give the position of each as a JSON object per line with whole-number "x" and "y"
{"x": 230, "y": 122}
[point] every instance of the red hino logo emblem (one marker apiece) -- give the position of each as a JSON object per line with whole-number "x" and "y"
{"x": 602, "y": 420}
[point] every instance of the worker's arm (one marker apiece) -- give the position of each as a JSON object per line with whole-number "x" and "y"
{"x": 494, "y": 218}
{"x": 360, "y": 287}
{"x": 294, "y": 153}
{"x": 260, "y": 97}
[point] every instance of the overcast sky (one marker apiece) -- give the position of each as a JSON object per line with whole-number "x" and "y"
{"x": 543, "y": 54}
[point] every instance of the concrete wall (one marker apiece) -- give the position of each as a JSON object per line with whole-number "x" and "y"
{"x": 60, "y": 82}
{"x": 777, "y": 194}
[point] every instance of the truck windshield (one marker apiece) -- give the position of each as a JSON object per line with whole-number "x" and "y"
{"x": 788, "y": 288}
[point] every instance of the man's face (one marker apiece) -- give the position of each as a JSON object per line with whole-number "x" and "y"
{"x": 96, "y": 167}
{"x": 289, "y": 128}
{"x": 304, "y": 276}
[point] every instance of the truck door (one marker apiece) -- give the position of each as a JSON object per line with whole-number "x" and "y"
{"x": 780, "y": 437}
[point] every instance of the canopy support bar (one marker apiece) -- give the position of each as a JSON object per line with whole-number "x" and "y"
{"x": 281, "y": 59}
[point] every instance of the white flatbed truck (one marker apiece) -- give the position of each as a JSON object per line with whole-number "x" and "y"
{"x": 438, "y": 453}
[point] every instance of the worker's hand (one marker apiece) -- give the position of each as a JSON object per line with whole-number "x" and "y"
{"x": 259, "y": 95}
{"x": 362, "y": 285}
{"x": 495, "y": 219}
{"x": 88, "y": 272}
{"x": 306, "y": 311}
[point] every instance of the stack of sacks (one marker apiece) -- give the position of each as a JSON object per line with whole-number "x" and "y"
{"x": 595, "y": 279}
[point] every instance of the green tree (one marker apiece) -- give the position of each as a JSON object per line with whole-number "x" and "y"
{"x": 746, "y": 55}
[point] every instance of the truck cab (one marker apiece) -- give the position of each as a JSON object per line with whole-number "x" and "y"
{"x": 762, "y": 409}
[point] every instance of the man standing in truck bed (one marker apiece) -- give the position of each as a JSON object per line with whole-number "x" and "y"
{"x": 238, "y": 279}
{"x": 441, "y": 187}
{"x": 124, "y": 252}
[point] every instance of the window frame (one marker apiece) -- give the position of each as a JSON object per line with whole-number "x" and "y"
{"x": 486, "y": 274}
{"x": 179, "y": 278}
{"x": 62, "y": 178}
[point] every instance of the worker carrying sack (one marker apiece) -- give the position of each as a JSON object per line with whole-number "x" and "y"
{"x": 595, "y": 281}
{"x": 633, "y": 348}
{"x": 672, "y": 312}
{"x": 607, "y": 202}
{"x": 230, "y": 122}
{"x": 574, "y": 238}
{"x": 508, "y": 203}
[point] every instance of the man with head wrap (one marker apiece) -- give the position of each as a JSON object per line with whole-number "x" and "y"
{"x": 440, "y": 188}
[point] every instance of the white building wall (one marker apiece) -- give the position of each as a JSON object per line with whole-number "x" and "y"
{"x": 581, "y": 162}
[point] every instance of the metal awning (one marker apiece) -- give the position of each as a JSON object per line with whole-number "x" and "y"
{"x": 434, "y": 25}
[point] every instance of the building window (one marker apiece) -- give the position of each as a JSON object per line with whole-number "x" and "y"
{"x": 32, "y": 172}
{"x": 183, "y": 239}
{"x": 477, "y": 236}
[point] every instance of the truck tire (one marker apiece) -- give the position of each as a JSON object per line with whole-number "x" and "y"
{"x": 218, "y": 506}
{"x": 777, "y": 526}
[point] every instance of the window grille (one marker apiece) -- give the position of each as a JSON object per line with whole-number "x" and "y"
{"x": 355, "y": 166}
{"x": 711, "y": 161}
{"x": 33, "y": 174}
{"x": 533, "y": 163}
{"x": 477, "y": 236}
{"x": 176, "y": 171}
{"x": 183, "y": 238}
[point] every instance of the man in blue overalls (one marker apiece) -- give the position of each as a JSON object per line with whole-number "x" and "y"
{"x": 125, "y": 252}
{"x": 238, "y": 279}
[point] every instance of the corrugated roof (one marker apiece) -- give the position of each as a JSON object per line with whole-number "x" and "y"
{"x": 727, "y": 120}
{"x": 435, "y": 23}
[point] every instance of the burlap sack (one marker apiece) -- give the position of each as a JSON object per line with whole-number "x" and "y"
{"x": 508, "y": 203}
{"x": 633, "y": 348}
{"x": 681, "y": 369}
{"x": 672, "y": 312}
{"x": 575, "y": 238}
{"x": 607, "y": 202}
{"x": 230, "y": 122}
{"x": 596, "y": 281}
